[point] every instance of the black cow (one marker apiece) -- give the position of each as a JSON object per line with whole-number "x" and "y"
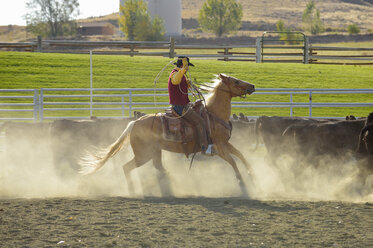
{"x": 70, "y": 139}
{"x": 25, "y": 143}
{"x": 271, "y": 128}
{"x": 311, "y": 140}
{"x": 364, "y": 151}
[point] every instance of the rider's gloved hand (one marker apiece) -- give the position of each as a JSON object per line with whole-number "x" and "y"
{"x": 185, "y": 63}
{"x": 188, "y": 83}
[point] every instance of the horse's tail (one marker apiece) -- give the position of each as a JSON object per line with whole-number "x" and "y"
{"x": 93, "y": 162}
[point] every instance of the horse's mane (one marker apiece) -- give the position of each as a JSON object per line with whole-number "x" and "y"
{"x": 211, "y": 87}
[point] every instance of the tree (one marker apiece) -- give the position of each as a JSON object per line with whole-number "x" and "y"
{"x": 52, "y": 18}
{"x": 220, "y": 16}
{"x": 137, "y": 24}
{"x": 353, "y": 29}
{"x": 311, "y": 19}
{"x": 289, "y": 37}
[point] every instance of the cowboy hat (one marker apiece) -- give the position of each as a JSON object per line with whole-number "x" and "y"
{"x": 179, "y": 62}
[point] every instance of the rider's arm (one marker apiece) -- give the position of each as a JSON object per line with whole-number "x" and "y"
{"x": 177, "y": 76}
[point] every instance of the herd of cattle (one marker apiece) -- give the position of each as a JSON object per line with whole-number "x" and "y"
{"x": 307, "y": 139}
{"x": 310, "y": 140}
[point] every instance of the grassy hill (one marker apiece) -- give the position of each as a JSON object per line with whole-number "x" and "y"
{"x": 34, "y": 71}
{"x": 336, "y": 14}
{"x": 258, "y": 16}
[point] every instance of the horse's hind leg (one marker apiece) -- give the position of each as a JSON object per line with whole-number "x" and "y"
{"x": 163, "y": 178}
{"x": 127, "y": 168}
{"x": 222, "y": 151}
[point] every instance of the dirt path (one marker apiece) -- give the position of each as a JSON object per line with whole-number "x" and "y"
{"x": 183, "y": 222}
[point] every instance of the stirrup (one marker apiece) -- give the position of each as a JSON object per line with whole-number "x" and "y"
{"x": 210, "y": 151}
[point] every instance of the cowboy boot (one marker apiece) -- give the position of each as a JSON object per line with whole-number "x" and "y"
{"x": 211, "y": 151}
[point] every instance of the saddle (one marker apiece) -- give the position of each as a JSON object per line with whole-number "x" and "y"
{"x": 177, "y": 129}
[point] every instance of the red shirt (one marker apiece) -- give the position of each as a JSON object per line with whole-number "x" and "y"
{"x": 178, "y": 94}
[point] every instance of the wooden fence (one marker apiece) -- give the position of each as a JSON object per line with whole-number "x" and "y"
{"x": 299, "y": 51}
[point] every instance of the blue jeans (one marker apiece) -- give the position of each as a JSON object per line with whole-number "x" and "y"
{"x": 178, "y": 109}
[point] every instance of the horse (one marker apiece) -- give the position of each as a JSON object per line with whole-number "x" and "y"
{"x": 147, "y": 142}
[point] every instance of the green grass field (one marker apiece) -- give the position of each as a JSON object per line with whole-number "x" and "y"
{"x": 34, "y": 71}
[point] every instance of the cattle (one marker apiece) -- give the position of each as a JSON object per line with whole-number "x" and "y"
{"x": 350, "y": 118}
{"x": 311, "y": 140}
{"x": 60, "y": 143}
{"x": 243, "y": 132}
{"x": 25, "y": 143}
{"x": 364, "y": 150}
{"x": 270, "y": 129}
{"x": 70, "y": 139}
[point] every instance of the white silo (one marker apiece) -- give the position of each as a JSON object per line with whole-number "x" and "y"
{"x": 169, "y": 11}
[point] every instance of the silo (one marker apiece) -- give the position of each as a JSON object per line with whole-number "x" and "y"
{"x": 169, "y": 11}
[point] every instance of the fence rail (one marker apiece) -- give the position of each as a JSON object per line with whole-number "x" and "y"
{"x": 54, "y": 103}
{"x": 266, "y": 49}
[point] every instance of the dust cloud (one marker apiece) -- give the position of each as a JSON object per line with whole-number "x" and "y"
{"x": 29, "y": 170}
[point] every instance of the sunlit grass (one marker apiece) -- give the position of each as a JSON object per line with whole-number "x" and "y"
{"x": 35, "y": 71}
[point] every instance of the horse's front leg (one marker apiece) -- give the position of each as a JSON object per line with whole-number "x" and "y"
{"x": 250, "y": 171}
{"x": 239, "y": 155}
{"x": 224, "y": 153}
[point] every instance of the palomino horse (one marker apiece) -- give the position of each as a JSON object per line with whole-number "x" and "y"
{"x": 147, "y": 140}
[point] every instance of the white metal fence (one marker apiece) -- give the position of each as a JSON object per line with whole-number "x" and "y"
{"x": 19, "y": 104}
{"x": 54, "y": 103}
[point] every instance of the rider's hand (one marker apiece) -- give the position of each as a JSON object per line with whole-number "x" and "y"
{"x": 188, "y": 83}
{"x": 185, "y": 63}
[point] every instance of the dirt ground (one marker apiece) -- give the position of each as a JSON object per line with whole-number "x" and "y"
{"x": 205, "y": 212}
{"x": 318, "y": 208}
{"x": 183, "y": 222}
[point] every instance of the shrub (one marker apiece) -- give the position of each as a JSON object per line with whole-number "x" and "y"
{"x": 353, "y": 29}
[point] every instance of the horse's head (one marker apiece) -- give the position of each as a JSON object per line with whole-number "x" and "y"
{"x": 235, "y": 86}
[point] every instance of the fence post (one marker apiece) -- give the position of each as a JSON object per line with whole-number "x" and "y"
{"x": 310, "y": 53}
{"x": 172, "y": 47}
{"x": 226, "y": 52}
{"x": 39, "y": 44}
{"x": 123, "y": 106}
{"x": 306, "y": 50}
{"x": 35, "y": 101}
{"x": 91, "y": 84}
{"x": 132, "y": 50}
{"x": 130, "y": 104}
{"x": 41, "y": 105}
{"x": 310, "y": 107}
{"x": 291, "y": 104}
{"x": 258, "y": 52}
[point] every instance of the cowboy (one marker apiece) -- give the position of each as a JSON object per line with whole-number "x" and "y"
{"x": 178, "y": 85}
